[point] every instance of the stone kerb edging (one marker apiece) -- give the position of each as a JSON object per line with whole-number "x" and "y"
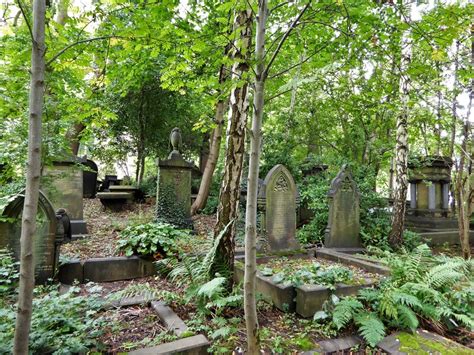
{"x": 106, "y": 269}
{"x": 347, "y": 259}
{"x": 306, "y": 299}
{"x": 193, "y": 345}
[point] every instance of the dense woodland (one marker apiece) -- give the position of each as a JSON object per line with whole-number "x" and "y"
{"x": 371, "y": 84}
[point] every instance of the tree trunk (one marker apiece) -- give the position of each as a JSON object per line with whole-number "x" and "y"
{"x": 227, "y": 212}
{"x": 61, "y": 11}
{"x": 464, "y": 176}
{"x": 395, "y": 237}
{"x": 250, "y": 307}
{"x": 204, "y": 152}
{"x": 74, "y": 136}
{"x": 206, "y": 180}
{"x": 30, "y": 207}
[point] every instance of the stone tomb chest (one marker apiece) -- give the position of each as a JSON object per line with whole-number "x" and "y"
{"x": 48, "y": 235}
{"x": 344, "y": 212}
{"x": 278, "y": 194}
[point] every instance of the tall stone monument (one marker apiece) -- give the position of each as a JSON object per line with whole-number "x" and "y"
{"x": 173, "y": 195}
{"x": 344, "y": 212}
{"x": 280, "y": 209}
{"x": 49, "y": 234}
{"x": 62, "y": 183}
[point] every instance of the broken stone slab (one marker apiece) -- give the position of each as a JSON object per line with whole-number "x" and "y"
{"x": 169, "y": 318}
{"x": 195, "y": 345}
{"x": 335, "y": 345}
{"x": 421, "y": 342}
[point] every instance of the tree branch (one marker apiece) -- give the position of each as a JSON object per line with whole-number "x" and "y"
{"x": 283, "y": 39}
{"x": 57, "y": 55}
{"x": 20, "y": 5}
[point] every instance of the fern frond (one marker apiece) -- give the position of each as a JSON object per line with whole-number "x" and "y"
{"x": 446, "y": 274}
{"x": 345, "y": 310}
{"x": 368, "y": 295}
{"x": 371, "y": 327}
{"x": 465, "y": 320}
{"x": 407, "y": 318}
{"x": 400, "y": 297}
{"x": 213, "y": 288}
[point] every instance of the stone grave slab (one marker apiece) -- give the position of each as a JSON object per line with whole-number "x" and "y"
{"x": 280, "y": 209}
{"x": 343, "y": 227}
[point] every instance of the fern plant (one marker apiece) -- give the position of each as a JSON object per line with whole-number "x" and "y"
{"x": 420, "y": 287}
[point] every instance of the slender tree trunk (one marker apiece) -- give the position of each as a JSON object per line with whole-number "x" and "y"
{"x": 61, "y": 11}
{"x": 395, "y": 237}
{"x": 204, "y": 152}
{"x": 465, "y": 176}
{"x": 30, "y": 207}
{"x": 250, "y": 307}
{"x": 206, "y": 181}
{"x": 227, "y": 212}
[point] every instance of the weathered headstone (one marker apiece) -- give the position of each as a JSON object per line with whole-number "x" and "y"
{"x": 48, "y": 235}
{"x": 173, "y": 202}
{"x": 280, "y": 209}
{"x": 344, "y": 213}
{"x": 62, "y": 183}
{"x": 90, "y": 179}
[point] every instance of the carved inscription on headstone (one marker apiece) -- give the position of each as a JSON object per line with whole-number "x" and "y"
{"x": 344, "y": 212}
{"x": 45, "y": 252}
{"x": 280, "y": 209}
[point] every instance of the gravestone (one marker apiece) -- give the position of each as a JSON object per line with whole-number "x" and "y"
{"x": 62, "y": 183}
{"x": 173, "y": 195}
{"x": 280, "y": 209}
{"x": 344, "y": 212}
{"x": 50, "y": 232}
{"x": 90, "y": 179}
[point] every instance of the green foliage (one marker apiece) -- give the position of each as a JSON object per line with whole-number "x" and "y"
{"x": 152, "y": 239}
{"x": 313, "y": 274}
{"x": 9, "y": 273}
{"x": 61, "y": 323}
{"x": 148, "y": 186}
{"x": 420, "y": 286}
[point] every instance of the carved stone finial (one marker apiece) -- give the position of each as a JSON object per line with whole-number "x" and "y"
{"x": 175, "y": 139}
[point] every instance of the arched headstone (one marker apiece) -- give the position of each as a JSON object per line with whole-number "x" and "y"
{"x": 46, "y": 239}
{"x": 344, "y": 212}
{"x": 280, "y": 209}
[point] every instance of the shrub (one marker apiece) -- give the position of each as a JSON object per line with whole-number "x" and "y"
{"x": 9, "y": 274}
{"x": 152, "y": 239}
{"x": 60, "y": 324}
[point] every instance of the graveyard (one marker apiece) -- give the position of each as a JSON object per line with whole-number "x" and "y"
{"x": 236, "y": 177}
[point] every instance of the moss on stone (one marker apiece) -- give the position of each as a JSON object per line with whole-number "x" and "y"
{"x": 417, "y": 344}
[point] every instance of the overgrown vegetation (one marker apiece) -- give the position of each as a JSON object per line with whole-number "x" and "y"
{"x": 436, "y": 292}
{"x": 152, "y": 239}
{"x": 61, "y": 323}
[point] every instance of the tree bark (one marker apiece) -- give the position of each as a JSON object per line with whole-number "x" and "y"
{"x": 30, "y": 207}
{"x": 206, "y": 180}
{"x": 227, "y": 212}
{"x": 395, "y": 236}
{"x": 74, "y": 136}
{"x": 250, "y": 307}
{"x": 465, "y": 176}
